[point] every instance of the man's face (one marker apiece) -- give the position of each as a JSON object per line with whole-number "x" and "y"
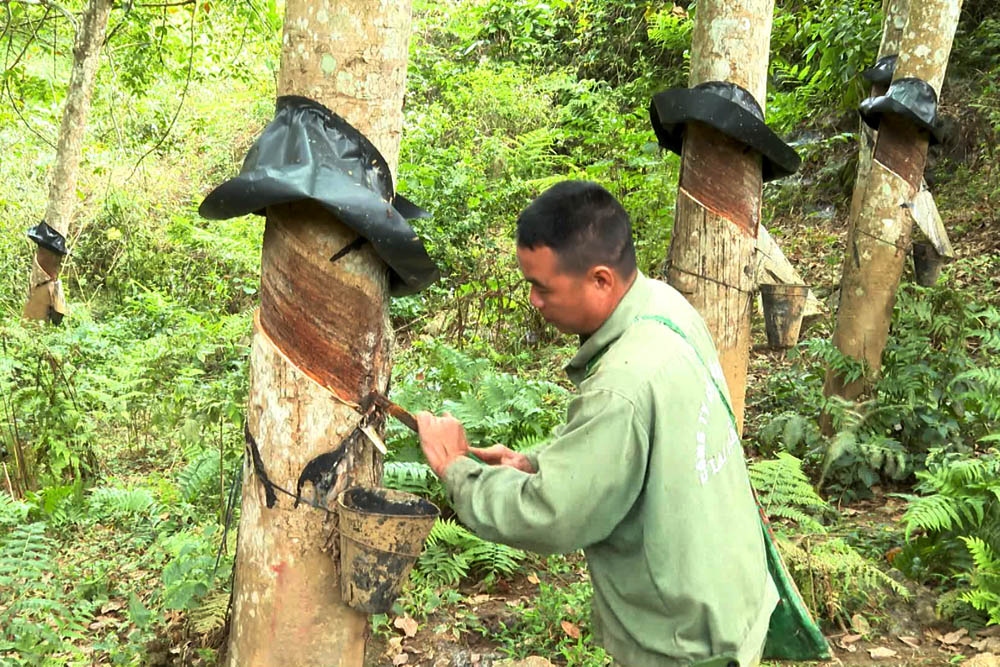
{"x": 571, "y": 303}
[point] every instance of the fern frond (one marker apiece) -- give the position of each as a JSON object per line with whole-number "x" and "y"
{"x": 939, "y": 513}
{"x": 411, "y": 476}
{"x": 985, "y": 579}
{"x": 211, "y": 614}
{"x": 784, "y": 491}
{"x": 201, "y": 474}
{"x": 834, "y": 579}
{"x": 111, "y": 504}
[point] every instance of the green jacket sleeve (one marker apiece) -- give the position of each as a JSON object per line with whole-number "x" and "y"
{"x": 588, "y": 478}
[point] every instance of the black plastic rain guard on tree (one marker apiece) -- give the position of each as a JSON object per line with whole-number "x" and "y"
{"x": 731, "y": 110}
{"x": 47, "y": 237}
{"x": 911, "y": 98}
{"x": 309, "y": 152}
{"x": 881, "y": 71}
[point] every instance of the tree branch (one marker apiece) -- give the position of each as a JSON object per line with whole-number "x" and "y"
{"x": 167, "y": 4}
{"x": 49, "y": 4}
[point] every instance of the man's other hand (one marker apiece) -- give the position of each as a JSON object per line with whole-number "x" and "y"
{"x": 442, "y": 439}
{"x": 498, "y": 455}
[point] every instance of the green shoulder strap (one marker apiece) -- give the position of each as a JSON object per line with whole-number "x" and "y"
{"x": 717, "y": 381}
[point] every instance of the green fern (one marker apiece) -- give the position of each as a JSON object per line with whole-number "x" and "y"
{"x": 452, "y": 553}
{"x": 985, "y": 579}
{"x": 835, "y": 579}
{"x": 200, "y": 476}
{"x": 211, "y": 614}
{"x": 962, "y": 492}
{"x": 785, "y": 492}
{"x": 25, "y": 555}
{"x": 115, "y": 505}
{"x": 12, "y": 512}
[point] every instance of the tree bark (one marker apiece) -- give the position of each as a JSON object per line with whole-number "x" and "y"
{"x": 321, "y": 337}
{"x": 45, "y": 299}
{"x": 879, "y": 239}
{"x": 893, "y": 21}
{"x": 711, "y": 256}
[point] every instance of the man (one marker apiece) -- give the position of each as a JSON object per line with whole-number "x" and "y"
{"x": 647, "y": 474}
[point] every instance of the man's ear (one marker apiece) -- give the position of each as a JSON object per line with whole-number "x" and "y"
{"x": 603, "y": 276}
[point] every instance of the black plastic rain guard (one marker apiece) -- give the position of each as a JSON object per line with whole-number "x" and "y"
{"x": 731, "y": 110}
{"x": 309, "y": 152}
{"x": 48, "y": 238}
{"x": 911, "y": 98}
{"x": 881, "y": 71}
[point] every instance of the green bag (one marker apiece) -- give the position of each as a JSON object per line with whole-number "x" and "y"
{"x": 792, "y": 633}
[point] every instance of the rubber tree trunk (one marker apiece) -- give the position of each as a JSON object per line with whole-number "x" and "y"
{"x": 321, "y": 326}
{"x": 894, "y": 14}
{"x": 894, "y": 20}
{"x": 45, "y": 300}
{"x": 711, "y": 256}
{"x": 879, "y": 240}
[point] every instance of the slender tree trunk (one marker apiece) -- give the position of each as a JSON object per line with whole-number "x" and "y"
{"x": 711, "y": 257}
{"x": 45, "y": 299}
{"x": 321, "y": 325}
{"x": 894, "y": 20}
{"x": 880, "y": 228}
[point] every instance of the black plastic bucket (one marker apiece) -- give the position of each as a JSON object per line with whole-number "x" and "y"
{"x": 382, "y": 532}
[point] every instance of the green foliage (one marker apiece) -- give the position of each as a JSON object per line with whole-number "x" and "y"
{"x": 835, "y": 580}
{"x": 959, "y": 493}
{"x": 818, "y": 50}
{"x": 937, "y": 389}
{"x": 36, "y": 620}
{"x": 539, "y": 629}
{"x": 785, "y": 492}
{"x": 493, "y": 405}
{"x": 984, "y": 579}
{"x": 415, "y": 477}
{"x": 452, "y": 554}
{"x": 953, "y": 527}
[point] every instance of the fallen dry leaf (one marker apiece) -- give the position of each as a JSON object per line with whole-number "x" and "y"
{"x": 987, "y": 644}
{"x": 953, "y": 637}
{"x": 113, "y": 605}
{"x": 478, "y": 599}
{"x": 401, "y": 659}
{"x": 880, "y": 652}
{"x": 533, "y": 578}
{"x": 912, "y": 642}
{"x": 406, "y": 624}
{"x": 982, "y": 660}
{"x": 571, "y": 629}
{"x": 849, "y": 639}
{"x": 860, "y": 624}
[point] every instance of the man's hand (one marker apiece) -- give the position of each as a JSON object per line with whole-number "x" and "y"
{"x": 498, "y": 455}
{"x": 442, "y": 439}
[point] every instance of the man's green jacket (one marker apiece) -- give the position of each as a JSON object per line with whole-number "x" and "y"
{"x": 647, "y": 476}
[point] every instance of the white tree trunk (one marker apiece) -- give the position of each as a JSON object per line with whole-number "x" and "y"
{"x": 711, "y": 256}
{"x": 879, "y": 239}
{"x": 321, "y": 326}
{"x": 45, "y": 291}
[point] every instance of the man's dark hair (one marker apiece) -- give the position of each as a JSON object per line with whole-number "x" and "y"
{"x": 583, "y": 224}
